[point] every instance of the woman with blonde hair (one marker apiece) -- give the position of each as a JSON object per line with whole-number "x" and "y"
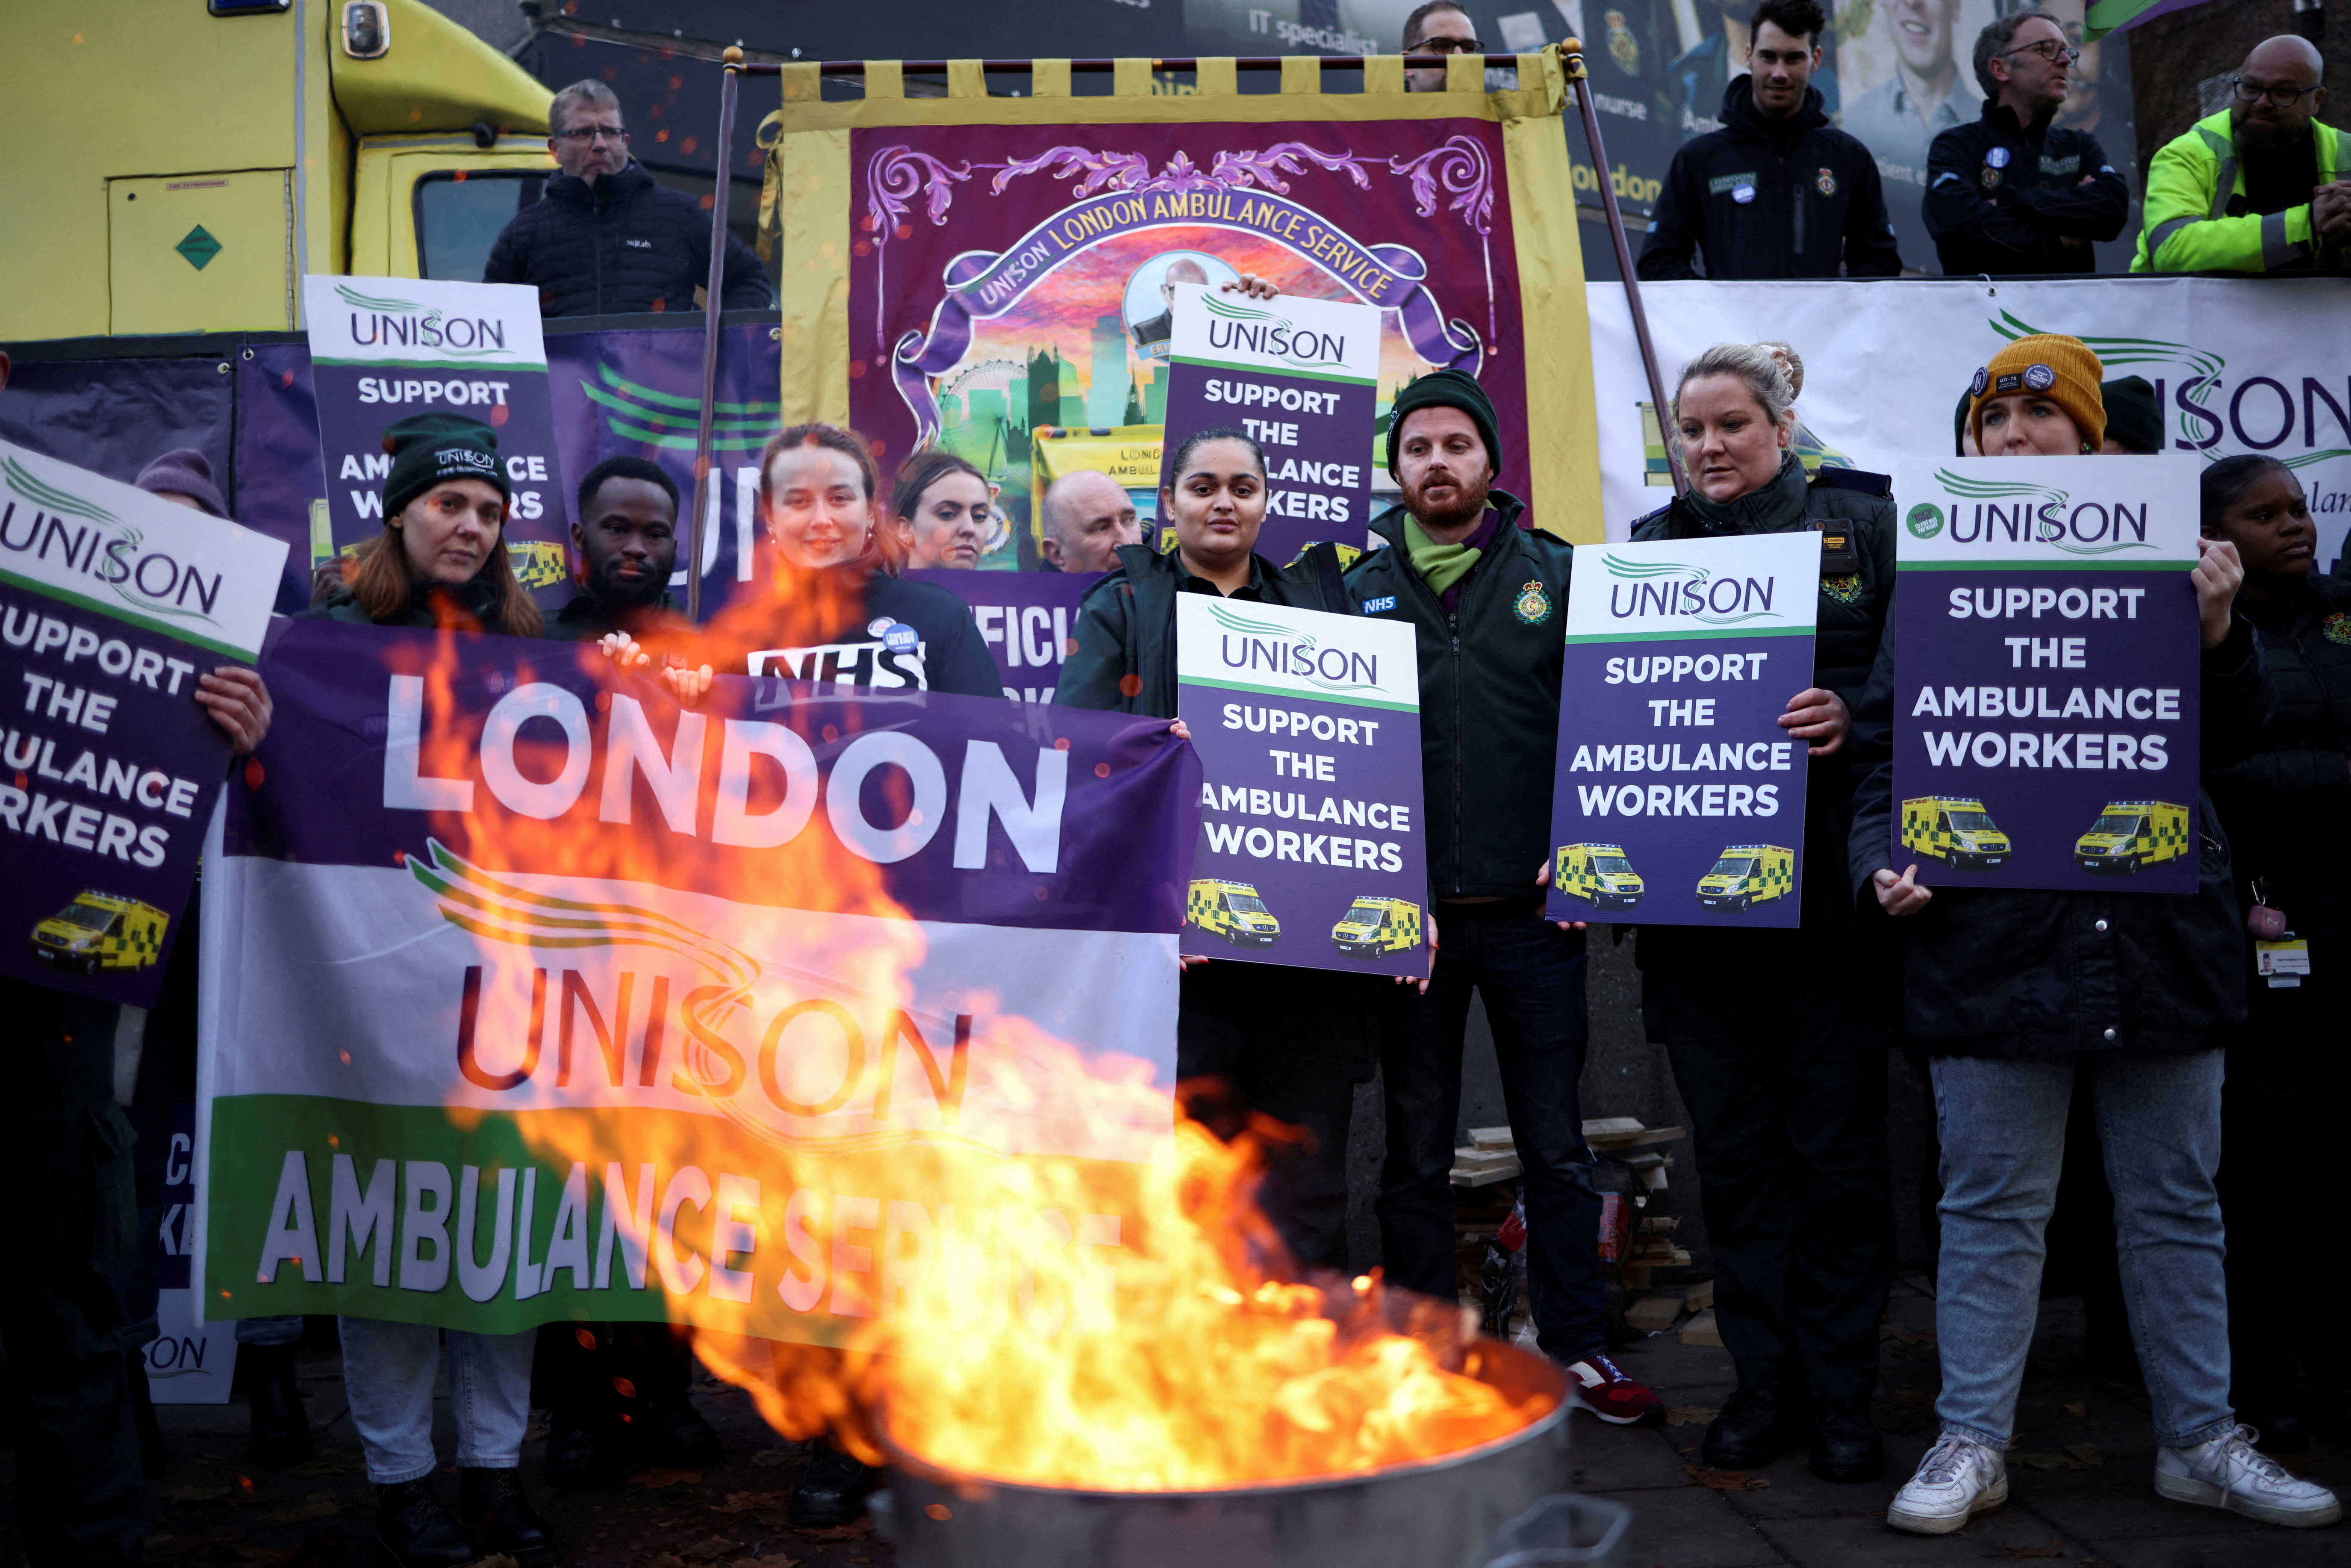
{"x": 1787, "y": 1100}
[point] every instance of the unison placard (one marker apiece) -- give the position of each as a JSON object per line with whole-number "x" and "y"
{"x": 1308, "y": 726}
{"x": 2045, "y": 672}
{"x": 1302, "y": 377}
{"x": 1679, "y": 800}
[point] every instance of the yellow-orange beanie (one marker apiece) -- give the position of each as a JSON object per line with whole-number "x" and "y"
{"x": 2061, "y": 368}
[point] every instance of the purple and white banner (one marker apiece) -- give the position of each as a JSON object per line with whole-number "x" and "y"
{"x": 1680, "y": 801}
{"x": 1026, "y": 618}
{"x": 1307, "y": 727}
{"x": 2046, "y": 666}
{"x": 112, "y": 603}
{"x": 382, "y": 349}
{"x": 499, "y": 939}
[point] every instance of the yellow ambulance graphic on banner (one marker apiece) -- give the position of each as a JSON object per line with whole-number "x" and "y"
{"x": 1747, "y": 875}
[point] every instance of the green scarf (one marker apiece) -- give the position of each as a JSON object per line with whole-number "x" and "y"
{"x": 1439, "y": 565}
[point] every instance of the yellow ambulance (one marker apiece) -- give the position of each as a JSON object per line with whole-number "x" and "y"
{"x": 99, "y": 931}
{"x": 1373, "y": 927}
{"x": 1598, "y": 873}
{"x": 1955, "y": 830}
{"x": 1747, "y": 875}
{"x": 1231, "y": 910}
{"x": 2129, "y": 834}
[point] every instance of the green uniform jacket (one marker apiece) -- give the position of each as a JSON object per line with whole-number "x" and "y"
{"x": 1489, "y": 678}
{"x": 1126, "y": 623}
{"x": 2188, "y": 228}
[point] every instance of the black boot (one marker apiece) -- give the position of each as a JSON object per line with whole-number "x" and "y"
{"x": 493, "y": 1505}
{"x": 1753, "y": 1430}
{"x": 142, "y": 1413}
{"x": 833, "y": 1490}
{"x": 583, "y": 1448}
{"x": 670, "y": 1432}
{"x": 673, "y": 1435}
{"x": 281, "y": 1430}
{"x": 413, "y": 1531}
{"x": 1845, "y": 1444}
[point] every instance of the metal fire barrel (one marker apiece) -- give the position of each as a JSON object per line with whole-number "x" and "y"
{"x": 1446, "y": 1513}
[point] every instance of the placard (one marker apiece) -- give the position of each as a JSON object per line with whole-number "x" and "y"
{"x": 1308, "y": 726}
{"x": 382, "y": 349}
{"x": 1301, "y": 376}
{"x": 1027, "y": 619}
{"x": 112, "y": 603}
{"x": 1679, "y": 800}
{"x": 2046, "y": 665}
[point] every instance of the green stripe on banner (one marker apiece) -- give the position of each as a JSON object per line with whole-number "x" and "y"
{"x": 2141, "y": 564}
{"x": 1284, "y": 372}
{"x": 476, "y": 366}
{"x": 119, "y": 613}
{"x": 1711, "y": 634}
{"x": 1301, "y": 696}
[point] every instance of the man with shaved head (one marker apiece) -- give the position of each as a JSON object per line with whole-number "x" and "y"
{"x": 1151, "y": 336}
{"x": 1087, "y": 516}
{"x": 2260, "y": 186}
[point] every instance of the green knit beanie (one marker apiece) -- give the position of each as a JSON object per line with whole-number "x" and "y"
{"x": 1446, "y": 389}
{"x": 428, "y": 449}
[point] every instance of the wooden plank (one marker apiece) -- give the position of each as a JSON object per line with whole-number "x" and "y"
{"x": 1492, "y": 1138}
{"x": 1652, "y": 1314}
{"x": 1486, "y": 1177}
{"x": 1701, "y": 1330}
{"x": 1699, "y": 1297}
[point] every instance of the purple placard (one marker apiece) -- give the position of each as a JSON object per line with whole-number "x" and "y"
{"x": 1027, "y": 617}
{"x": 1307, "y": 727}
{"x": 1300, "y": 377}
{"x": 364, "y": 763}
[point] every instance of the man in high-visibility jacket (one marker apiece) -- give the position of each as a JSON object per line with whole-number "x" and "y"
{"x": 2258, "y": 188}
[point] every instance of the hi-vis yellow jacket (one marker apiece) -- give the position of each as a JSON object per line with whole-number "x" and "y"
{"x": 2188, "y": 228}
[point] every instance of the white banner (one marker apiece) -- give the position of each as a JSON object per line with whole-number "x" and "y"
{"x": 2249, "y": 366}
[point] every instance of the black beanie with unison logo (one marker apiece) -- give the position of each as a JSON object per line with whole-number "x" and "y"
{"x": 428, "y": 449}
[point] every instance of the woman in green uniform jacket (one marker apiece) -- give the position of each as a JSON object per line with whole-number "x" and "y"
{"x": 1289, "y": 1043}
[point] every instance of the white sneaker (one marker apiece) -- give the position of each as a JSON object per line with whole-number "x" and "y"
{"x": 1959, "y": 1479}
{"x": 2230, "y": 1472}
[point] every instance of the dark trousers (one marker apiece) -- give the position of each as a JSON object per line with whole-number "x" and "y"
{"x": 1531, "y": 975}
{"x": 1288, "y": 1045}
{"x": 1787, "y": 1108}
{"x": 66, "y": 1149}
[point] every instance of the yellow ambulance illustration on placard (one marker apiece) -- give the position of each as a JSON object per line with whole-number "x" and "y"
{"x": 1375, "y": 927}
{"x": 2129, "y": 834}
{"x": 99, "y": 931}
{"x": 1598, "y": 873}
{"x": 1955, "y": 830}
{"x": 1231, "y": 910}
{"x": 1747, "y": 875}
{"x": 537, "y": 563}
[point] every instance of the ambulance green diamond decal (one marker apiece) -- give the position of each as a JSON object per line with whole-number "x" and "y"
{"x": 199, "y": 247}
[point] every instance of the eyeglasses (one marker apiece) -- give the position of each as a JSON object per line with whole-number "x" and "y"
{"x": 2048, "y": 49}
{"x": 590, "y": 132}
{"x": 1445, "y": 46}
{"x": 2278, "y": 93}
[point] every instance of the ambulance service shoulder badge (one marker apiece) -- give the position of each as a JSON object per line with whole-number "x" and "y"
{"x": 2337, "y": 628}
{"x": 1826, "y": 183}
{"x": 1623, "y": 48}
{"x": 1533, "y": 604}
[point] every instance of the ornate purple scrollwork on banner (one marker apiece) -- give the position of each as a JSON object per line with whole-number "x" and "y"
{"x": 1109, "y": 188}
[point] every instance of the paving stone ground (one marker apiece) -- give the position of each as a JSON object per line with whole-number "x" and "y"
{"x": 2081, "y": 1482}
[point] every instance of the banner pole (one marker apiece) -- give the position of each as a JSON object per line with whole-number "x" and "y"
{"x": 714, "y": 290}
{"x": 1571, "y": 55}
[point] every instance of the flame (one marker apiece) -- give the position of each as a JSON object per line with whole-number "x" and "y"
{"x": 1104, "y": 1306}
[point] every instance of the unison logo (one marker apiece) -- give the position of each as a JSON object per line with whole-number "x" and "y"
{"x": 394, "y": 323}
{"x": 1674, "y": 588}
{"x": 2011, "y": 513}
{"x": 39, "y": 522}
{"x": 1249, "y": 644}
{"x": 1238, "y": 327}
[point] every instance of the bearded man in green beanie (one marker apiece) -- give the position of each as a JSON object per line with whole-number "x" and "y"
{"x": 1486, "y": 597}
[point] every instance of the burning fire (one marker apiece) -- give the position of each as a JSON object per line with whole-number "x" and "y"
{"x": 1103, "y": 1307}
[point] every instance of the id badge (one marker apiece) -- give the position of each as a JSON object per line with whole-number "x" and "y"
{"x": 2283, "y": 963}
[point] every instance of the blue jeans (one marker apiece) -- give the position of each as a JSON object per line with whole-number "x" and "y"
{"x": 387, "y": 1376}
{"x": 2002, "y": 1122}
{"x": 1531, "y": 975}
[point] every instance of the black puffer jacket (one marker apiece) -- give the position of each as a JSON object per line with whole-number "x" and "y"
{"x": 478, "y": 600}
{"x": 2003, "y": 197}
{"x": 2019, "y": 971}
{"x": 623, "y": 244}
{"x": 2287, "y": 803}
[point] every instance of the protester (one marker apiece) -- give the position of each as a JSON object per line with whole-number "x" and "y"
{"x": 1695, "y": 77}
{"x": 441, "y": 561}
{"x": 1439, "y": 27}
{"x": 2038, "y": 398}
{"x": 1898, "y": 118}
{"x": 1778, "y": 192}
{"x": 2287, "y": 204}
{"x": 2012, "y": 194}
{"x": 1485, "y": 597}
{"x": 1285, "y": 1043}
{"x": 2016, "y": 993}
{"x": 1088, "y": 516}
{"x": 1788, "y": 1103}
{"x": 606, "y": 238}
{"x": 939, "y": 509}
{"x": 626, "y": 534}
{"x": 2134, "y": 419}
{"x": 2287, "y": 1079}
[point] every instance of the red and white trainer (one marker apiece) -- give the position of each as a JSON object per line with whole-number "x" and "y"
{"x": 1598, "y": 1385}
